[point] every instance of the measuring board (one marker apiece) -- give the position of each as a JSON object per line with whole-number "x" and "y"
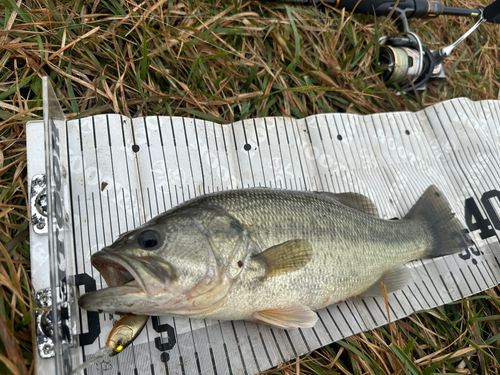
{"x": 116, "y": 173}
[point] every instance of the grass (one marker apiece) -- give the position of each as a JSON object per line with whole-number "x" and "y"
{"x": 459, "y": 338}
{"x": 226, "y": 61}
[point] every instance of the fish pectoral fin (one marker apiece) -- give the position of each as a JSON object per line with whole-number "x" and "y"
{"x": 298, "y": 316}
{"x": 394, "y": 280}
{"x": 357, "y": 201}
{"x": 286, "y": 257}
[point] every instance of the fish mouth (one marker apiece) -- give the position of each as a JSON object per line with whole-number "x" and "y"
{"x": 131, "y": 280}
{"x": 115, "y": 271}
{"x": 148, "y": 275}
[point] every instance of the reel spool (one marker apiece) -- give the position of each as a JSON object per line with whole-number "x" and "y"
{"x": 408, "y": 64}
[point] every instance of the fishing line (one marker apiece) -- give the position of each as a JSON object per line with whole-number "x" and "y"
{"x": 103, "y": 353}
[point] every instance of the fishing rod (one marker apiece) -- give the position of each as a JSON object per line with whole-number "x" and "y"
{"x": 408, "y": 64}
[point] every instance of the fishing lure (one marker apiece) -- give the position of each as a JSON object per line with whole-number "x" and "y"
{"x": 124, "y": 332}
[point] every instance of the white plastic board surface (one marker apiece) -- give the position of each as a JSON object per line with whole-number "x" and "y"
{"x": 122, "y": 172}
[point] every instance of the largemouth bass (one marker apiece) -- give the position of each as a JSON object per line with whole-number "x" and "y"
{"x": 268, "y": 256}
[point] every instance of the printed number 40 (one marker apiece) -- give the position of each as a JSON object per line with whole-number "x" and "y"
{"x": 474, "y": 218}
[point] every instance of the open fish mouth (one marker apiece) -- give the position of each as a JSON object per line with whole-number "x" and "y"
{"x": 147, "y": 274}
{"x": 132, "y": 282}
{"x": 116, "y": 271}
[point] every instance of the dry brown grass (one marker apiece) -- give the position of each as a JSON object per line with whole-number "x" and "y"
{"x": 225, "y": 61}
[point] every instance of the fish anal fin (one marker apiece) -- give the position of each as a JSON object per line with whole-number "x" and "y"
{"x": 357, "y": 201}
{"x": 298, "y": 316}
{"x": 286, "y": 257}
{"x": 394, "y": 280}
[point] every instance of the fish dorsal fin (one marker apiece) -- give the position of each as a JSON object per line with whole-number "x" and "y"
{"x": 298, "y": 316}
{"x": 357, "y": 201}
{"x": 394, "y": 280}
{"x": 286, "y": 257}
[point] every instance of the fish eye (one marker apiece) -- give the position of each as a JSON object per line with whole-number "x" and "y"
{"x": 149, "y": 239}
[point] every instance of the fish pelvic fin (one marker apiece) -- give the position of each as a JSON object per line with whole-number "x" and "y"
{"x": 298, "y": 316}
{"x": 286, "y": 257}
{"x": 447, "y": 232}
{"x": 394, "y": 280}
{"x": 357, "y": 201}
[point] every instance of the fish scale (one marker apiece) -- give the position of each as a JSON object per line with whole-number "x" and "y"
{"x": 351, "y": 249}
{"x": 270, "y": 256}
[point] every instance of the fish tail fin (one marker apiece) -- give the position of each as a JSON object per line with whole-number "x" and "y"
{"x": 447, "y": 232}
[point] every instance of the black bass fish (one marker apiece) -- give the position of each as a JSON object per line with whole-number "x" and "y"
{"x": 268, "y": 256}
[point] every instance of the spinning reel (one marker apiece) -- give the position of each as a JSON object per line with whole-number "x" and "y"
{"x": 408, "y": 63}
